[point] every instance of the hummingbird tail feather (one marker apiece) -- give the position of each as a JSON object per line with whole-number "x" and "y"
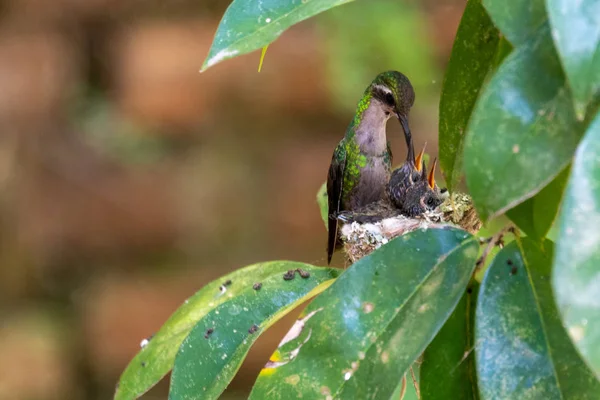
{"x": 331, "y": 238}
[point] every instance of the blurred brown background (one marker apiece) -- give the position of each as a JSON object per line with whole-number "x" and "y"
{"x": 128, "y": 179}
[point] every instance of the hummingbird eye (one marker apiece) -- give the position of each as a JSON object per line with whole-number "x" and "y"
{"x": 389, "y": 99}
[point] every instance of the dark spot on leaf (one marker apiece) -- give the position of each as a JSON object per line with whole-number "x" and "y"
{"x": 509, "y": 262}
{"x": 209, "y": 332}
{"x": 227, "y": 282}
{"x": 288, "y": 276}
{"x": 143, "y": 363}
{"x": 469, "y": 290}
{"x": 513, "y": 270}
{"x": 303, "y": 274}
{"x": 253, "y": 329}
{"x": 257, "y": 286}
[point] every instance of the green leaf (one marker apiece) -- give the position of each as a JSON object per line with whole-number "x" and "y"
{"x": 211, "y": 355}
{"x": 249, "y": 25}
{"x": 517, "y": 19}
{"x": 523, "y": 351}
{"x": 536, "y": 215}
{"x": 448, "y": 368}
{"x": 156, "y": 359}
{"x": 473, "y": 55}
{"x": 576, "y": 275}
{"x": 523, "y": 130}
{"x": 322, "y": 203}
{"x": 576, "y": 33}
{"x": 357, "y": 339}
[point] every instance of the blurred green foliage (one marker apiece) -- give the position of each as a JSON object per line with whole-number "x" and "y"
{"x": 365, "y": 38}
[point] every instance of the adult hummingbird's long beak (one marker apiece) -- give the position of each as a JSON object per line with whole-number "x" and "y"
{"x": 407, "y": 135}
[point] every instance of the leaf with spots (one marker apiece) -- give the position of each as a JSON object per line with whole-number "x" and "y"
{"x": 536, "y": 215}
{"x": 157, "y": 357}
{"x": 473, "y": 56}
{"x": 210, "y": 356}
{"x": 576, "y": 273}
{"x": 248, "y": 25}
{"x": 358, "y": 338}
{"x": 576, "y": 33}
{"x": 522, "y": 350}
{"x": 448, "y": 368}
{"x": 518, "y": 20}
{"x": 523, "y": 131}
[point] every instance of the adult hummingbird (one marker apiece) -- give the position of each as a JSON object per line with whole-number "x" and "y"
{"x": 362, "y": 162}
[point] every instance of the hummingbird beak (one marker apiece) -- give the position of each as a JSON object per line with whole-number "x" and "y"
{"x": 431, "y": 177}
{"x": 407, "y": 135}
{"x": 404, "y": 122}
{"x": 419, "y": 163}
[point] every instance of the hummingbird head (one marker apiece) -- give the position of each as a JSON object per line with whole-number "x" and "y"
{"x": 394, "y": 90}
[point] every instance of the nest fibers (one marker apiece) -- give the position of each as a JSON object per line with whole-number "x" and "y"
{"x": 361, "y": 239}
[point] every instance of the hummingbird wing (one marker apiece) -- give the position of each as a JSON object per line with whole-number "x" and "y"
{"x": 335, "y": 181}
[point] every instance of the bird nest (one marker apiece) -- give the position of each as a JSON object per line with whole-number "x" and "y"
{"x": 361, "y": 239}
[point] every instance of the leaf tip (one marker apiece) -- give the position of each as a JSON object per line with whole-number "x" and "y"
{"x": 204, "y": 66}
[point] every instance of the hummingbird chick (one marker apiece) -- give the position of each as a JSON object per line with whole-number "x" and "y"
{"x": 362, "y": 161}
{"x": 423, "y": 195}
{"x": 406, "y": 176}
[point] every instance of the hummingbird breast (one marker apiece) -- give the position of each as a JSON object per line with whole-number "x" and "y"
{"x": 372, "y": 183}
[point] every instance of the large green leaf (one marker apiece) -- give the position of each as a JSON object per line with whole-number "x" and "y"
{"x": 576, "y": 32}
{"x": 448, "y": 369}
{"x": 576, "y": 276}
{"x": 156, "y": 359}
{"x": 536, "y": 215}
{"x": 357, "y": 339}
{"x": 473, "y": 56}
{"x": 210, "y": 356}
{"x": 517, "y": 19}
{"x": 523, "y": 130}
{"x": 251, "y": 24}
{"x": 522, "y": 350}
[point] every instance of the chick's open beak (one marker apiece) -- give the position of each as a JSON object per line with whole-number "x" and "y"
{"x": 431, "y": 177}
{"x": 419, "y": 160}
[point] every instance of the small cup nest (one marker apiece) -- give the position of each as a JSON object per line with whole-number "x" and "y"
{"x": 361, "y": 239}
